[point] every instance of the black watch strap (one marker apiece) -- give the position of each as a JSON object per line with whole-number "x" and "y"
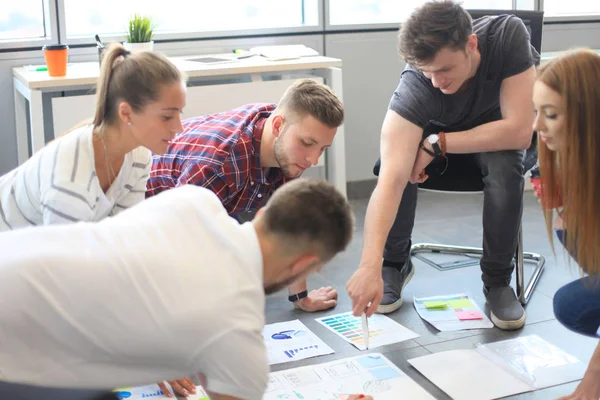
{"x": 426, "y": 150}
{"x": 298, "y": 296}
{"x": 437, "y": 150}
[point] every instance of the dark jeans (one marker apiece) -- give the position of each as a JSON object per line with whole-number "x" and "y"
{"x": 502, "y": 209}
{"x": 577, "y": 304}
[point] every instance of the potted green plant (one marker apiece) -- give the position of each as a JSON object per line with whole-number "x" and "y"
{"x": 140, "y": 33}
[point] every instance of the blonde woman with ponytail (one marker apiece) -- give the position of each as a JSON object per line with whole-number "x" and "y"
{"x": 100, "y": 168}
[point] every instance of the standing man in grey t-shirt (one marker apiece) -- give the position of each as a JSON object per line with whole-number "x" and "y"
{"x": 471, "y": 83}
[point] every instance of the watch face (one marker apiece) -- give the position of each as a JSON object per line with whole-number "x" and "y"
{"x": 433, "y": 139}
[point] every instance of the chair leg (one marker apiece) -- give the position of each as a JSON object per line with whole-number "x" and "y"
{"x": 523, "y": 292}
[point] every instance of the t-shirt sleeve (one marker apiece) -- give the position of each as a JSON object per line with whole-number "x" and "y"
{"x": 235, "y": 364}
{"x": 415, "y": 99}
{"x": 517, "y": 49}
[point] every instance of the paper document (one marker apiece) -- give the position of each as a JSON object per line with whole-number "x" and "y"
{"x": 284, "y": 52}
{"x": 382, "y": 330}
{"x": 370, "y": 374}
{"x": 452, "y": 312}
{"x": 500, "y": 369}
{"x": 291, "y": 341}
{"x": 154, "y": 392}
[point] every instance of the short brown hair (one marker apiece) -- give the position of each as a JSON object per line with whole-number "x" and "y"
{"x": 309, "y": 97}
{"x": 310, "y": 213}
{"x": 434, "y": 26}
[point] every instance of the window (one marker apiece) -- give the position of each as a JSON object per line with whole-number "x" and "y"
{"x": 362, "y": 12}
{"x": 110, "y": 17}
{"x": 560, "y": 8}
{"x": 23, "y": 20}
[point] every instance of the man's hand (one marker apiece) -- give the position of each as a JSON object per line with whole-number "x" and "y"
{"x": 318, "y": 300}
{"x": 183, "y": 387}
{"x": 365, "y": 286}
{"x": 423, "y": 160}
{"x": 588, "y": 389}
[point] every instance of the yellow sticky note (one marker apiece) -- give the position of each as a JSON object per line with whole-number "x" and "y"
{"x": 460, "y": 303}
{"x": 434, "y": 304}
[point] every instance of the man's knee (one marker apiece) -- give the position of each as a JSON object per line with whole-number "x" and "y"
{"x": 503, "y": 169}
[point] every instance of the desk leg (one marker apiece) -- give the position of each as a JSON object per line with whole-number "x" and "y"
{"x": 36, "y": 121}
{"x": 336, "y": 154}
{"x": 21, "y": 122}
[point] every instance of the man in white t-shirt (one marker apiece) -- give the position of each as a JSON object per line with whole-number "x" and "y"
{"x": 168, "y": 288}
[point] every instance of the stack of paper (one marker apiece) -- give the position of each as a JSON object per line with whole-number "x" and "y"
{"x": 452, "y": 312}
{"x": 284, "y": 52}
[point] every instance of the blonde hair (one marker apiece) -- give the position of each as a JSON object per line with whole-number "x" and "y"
{"x": 309, "y": 97}
{"x": 572, "y": 172}
{"x": 136, "y": 79}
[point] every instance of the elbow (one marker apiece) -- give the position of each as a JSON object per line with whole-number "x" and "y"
{"x": 524, "y": 138}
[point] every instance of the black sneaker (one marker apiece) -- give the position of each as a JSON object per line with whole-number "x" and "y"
{"x": 506, "y": 310}
{"x": 394, "y": 281}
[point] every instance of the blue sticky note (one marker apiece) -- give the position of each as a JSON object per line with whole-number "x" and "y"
{"x": 384, "y": 373}
{"x": 371, "y": 361}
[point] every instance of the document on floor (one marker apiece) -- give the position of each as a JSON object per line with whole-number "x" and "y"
{"x": 155, "y": 393}
{"x": 382, "y": 330}
{"x": 291, "y": 341}
{"x": 495, "y": 370}
{"x": 452, "y": 312}
{"x": 371, "y": 374}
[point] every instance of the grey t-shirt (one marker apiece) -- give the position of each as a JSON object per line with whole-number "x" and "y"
{"x": 505, "y": 49}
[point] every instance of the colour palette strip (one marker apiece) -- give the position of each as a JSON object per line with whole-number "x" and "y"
{"x": 382, "y": 330}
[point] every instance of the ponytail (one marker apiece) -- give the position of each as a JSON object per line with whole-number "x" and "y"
{"x": 109, "y": 57}
{"x": 136, "y": 79}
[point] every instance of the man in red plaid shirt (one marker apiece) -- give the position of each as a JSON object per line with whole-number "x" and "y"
{"x": 244, "y": 154}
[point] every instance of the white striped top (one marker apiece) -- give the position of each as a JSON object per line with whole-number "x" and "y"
{"x": 58, "y": 184}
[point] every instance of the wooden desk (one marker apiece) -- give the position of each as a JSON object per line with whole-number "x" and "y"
{"x": 34, "y": 93}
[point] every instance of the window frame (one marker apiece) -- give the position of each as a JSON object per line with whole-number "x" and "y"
{"x": 52, "y": 34}
{"x": 195, "y": 35}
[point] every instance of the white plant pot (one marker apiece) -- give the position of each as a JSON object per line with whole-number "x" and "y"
{"x": 137, "y": 47}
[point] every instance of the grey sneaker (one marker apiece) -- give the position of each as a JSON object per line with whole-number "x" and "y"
{"x": 506, "y": 311}
{"x": 394, "y": 281}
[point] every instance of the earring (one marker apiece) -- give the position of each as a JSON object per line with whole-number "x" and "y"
{"x": 129, "y": 123}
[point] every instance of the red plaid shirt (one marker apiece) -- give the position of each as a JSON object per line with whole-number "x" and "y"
{"x": 220, "y": 152}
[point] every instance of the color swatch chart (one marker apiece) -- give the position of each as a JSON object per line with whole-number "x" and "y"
{"x": 382, "y": 330}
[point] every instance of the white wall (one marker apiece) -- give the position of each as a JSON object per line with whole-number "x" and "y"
{"x": 371, "y": 71}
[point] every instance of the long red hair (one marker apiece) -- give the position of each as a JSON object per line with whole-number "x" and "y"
{"x": 573, "y": 172}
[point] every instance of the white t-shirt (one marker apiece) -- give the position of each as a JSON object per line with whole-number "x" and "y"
{"x": 58, "y": 184}
{"x": 170, "y": 287}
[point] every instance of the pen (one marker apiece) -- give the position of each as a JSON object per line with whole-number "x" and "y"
{"x": 365, "y": 329}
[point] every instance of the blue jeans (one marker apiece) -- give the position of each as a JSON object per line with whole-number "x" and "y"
{"x": 577, "y": 304}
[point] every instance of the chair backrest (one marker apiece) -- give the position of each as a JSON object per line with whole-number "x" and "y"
{"x": 533, "y": 20}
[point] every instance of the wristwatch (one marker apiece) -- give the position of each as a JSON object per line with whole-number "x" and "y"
{"x": 298, "y": 296}
{"x": 434, "y": 141}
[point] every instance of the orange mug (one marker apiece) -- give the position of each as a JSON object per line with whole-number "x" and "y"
{"x": 56, "y": 56}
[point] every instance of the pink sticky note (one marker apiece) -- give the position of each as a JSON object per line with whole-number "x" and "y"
{"x": 466, "y": 315}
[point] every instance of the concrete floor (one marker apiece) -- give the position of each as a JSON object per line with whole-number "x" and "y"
{"x": 457, "y": 222}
